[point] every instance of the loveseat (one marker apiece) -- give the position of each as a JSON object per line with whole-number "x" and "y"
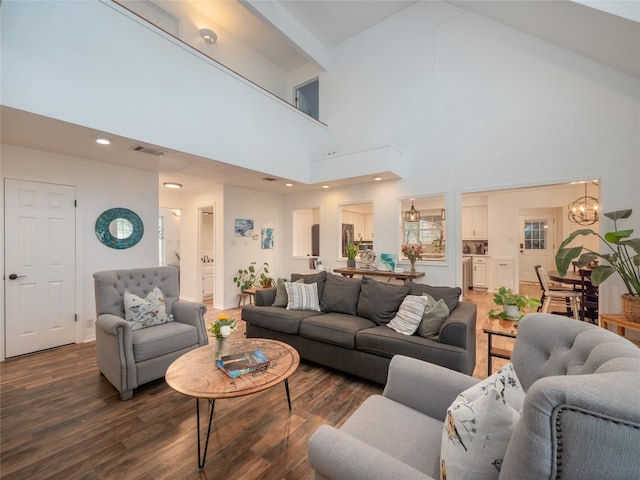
{"x": 579, "y": 416}
{"x": 349, "y": 330}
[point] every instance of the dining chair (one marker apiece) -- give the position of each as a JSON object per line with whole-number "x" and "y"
{"x": 568, "y": 296}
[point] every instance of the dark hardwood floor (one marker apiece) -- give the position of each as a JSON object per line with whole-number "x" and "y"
{"x": 60, "y": 419}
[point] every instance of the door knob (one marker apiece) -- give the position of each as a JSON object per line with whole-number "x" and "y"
{"x": 13, "y": 276}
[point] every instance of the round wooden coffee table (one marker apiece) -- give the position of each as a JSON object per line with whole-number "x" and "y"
{"x": 196, "y": 374}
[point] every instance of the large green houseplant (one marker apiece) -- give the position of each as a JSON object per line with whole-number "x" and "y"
{"x": 622, "y": 256}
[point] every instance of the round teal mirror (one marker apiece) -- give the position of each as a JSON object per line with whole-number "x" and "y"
{"x": 119, "y": 228}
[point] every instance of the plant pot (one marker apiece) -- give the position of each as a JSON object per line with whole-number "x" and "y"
{"x": 631, "y": 307}
{"x": 511, "y": 311}
{"x": 351, "y": 264}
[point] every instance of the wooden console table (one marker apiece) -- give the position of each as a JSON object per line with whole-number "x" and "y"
{"x": 389, "y": 274}
{"x": 621, "y": 322}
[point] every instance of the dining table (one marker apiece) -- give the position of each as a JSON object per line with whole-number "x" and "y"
{"x": 581, "y": 281}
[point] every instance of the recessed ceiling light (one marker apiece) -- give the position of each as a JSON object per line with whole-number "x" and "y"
{"x": 172, "y": 185}
{"x": 377, "y": 179}
{"x": 325, "y": 186}
{"x": 103, "y": 141}
{"x": 288, "y": 184}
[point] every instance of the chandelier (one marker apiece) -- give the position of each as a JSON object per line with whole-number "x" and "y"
{"x": 584, "y": 210}
{"x": 412, "y": 215}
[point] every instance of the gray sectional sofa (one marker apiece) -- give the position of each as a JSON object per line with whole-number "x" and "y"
{"x": 350, "y": 331}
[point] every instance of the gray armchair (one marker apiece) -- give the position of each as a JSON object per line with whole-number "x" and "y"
{"x": 129, "y": 358}
{"x": 581, "y": 415}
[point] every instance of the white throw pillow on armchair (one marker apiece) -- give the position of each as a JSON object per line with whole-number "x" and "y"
{"x": 478, "y": 427}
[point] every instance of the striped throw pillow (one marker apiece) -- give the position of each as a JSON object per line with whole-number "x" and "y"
{"x": 409, "y": 315}
{"x": 302, "y": 296}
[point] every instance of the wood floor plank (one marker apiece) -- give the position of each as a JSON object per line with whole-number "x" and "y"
{"x": 60, "y": 419}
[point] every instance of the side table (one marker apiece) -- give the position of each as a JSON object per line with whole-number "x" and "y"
{"x": 500, "y": 328}
{"x": 622, "y": 324}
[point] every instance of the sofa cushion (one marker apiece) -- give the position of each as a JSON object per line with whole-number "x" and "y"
{"x": 451, "y": 295}
{"x": 145, "y": 312}
{"x": 282, "y": 299}
{"x": 378, "y": 301}
{"x": 302, "y": 296}
{"x": 276, "y": 318}
{"x": 435, "y": 313}
{"x": 318, "y": 278}
{"x": 334, "y": 328}
{"x": 479, "y": 424}
{"x": 162, "y": 339}
{"x": 340, "y": 294}
{"x": 409, "y": 315}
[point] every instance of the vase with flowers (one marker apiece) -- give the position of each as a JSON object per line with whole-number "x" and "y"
{"x": 413, "y": 253}
{"x": 221, "y": 329}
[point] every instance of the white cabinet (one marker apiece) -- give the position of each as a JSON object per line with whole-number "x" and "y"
{"x": 368, "y": 227}
{"x": 474, "y": 223}
{"x": 503, "y": 273}
{"x": 480, "y": 272}
{"x": 207, "y": 281}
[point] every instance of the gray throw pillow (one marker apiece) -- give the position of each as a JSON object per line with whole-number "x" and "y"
{"x": 340, "y": 294}
{"x": 435, "y": 313}
{"x": 379, "y": 302}
{"x": 318, "y": 278}
{"x": 450, "y": 295}
{"x": 282, "y": 299}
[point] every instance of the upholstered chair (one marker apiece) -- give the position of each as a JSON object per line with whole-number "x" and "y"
{"x": 130, "y": 357}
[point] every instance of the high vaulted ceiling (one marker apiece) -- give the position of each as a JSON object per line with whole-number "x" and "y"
{"x": 612, "y": 39}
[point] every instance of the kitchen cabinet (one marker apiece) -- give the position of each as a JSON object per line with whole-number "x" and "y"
{"x": 368, "y": 227}
{"x": 503, "y": 272}
{"x": 474, "y": 223}
{"x": 480, "y": 272}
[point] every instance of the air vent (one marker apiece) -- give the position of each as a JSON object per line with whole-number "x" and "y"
{"x": 269, "y": 179}
{"x": 148, "y": 151}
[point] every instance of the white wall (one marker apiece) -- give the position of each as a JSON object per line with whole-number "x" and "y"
{"x": 232, "y": 253}
{"x": 171, "y": 234}
{"x": 473, "y": 105}
{"x": 99, "y": 187}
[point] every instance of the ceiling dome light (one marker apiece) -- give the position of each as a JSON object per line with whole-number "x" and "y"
{"x": 288, "y": 184}
{"x": 172, "y": 185}
{"x": 208, "y": 35}
{"x": 103, "y": 141}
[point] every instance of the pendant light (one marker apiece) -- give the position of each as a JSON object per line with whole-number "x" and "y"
{"x": 412, "y": 215}
{"x": 584, "y": 210}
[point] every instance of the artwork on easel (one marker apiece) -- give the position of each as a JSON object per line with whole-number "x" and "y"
{"x": 244, "y": 227}
{"x": 266, "y": 238}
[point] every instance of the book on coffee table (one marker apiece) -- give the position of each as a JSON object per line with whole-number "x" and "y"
{"x": 238, "y": 364}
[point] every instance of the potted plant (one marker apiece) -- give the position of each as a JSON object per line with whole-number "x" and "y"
{"x": 622, "y": 257}
{"x": 252, "y": 276}
{"x": 513, "y": 305}
{"x": 352, "y": 252}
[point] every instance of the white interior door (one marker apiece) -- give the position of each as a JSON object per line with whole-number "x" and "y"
{"x": 537, "y": 244}
{"x": 39, "y": 266}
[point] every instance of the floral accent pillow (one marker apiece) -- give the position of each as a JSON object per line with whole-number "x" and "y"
{"x": 478, "y": 427}
{"x": 147, "y": 312}
{"x": 409, "y": 315}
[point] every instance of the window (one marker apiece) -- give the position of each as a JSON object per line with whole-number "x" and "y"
{"x": 535, "y": 234}
{"x": 306, "y": 232}
{"x": 306, "y": 98}
{"x": 429, "y": 231}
